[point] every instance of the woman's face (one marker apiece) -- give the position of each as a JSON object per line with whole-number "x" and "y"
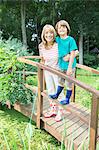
{"x": 49, "y": 36}
{"x": 62, "y": 30}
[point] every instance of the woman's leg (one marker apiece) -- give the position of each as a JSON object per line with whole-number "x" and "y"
{"x": 59, "y": 88}
{"x": 49, "y": 82}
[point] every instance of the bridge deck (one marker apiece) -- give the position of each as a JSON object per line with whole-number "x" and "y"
{"x": 74, "y": 126}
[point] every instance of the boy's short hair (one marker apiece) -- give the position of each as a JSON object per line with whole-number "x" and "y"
{"x": 63, "y": 23}
{"x": 47, "y": 27}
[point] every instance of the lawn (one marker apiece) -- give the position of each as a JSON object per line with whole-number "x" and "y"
{"x": 18, "y": 132}
{"x": 82, "y": 96}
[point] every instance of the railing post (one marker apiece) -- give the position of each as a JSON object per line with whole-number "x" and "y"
{"x": 40, "y": 97}
{"x": 73, "y": 89}
{"x": 44, "y": 83}
{"x": 24, "y": 76}
{"x": 94, "y": 122}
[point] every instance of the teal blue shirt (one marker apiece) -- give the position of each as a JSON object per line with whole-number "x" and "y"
{"x": 65, "y": 46}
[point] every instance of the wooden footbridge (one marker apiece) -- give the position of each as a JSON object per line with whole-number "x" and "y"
{"x": 80, "y": 125}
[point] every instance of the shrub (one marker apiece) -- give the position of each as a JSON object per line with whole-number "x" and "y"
{"x": 11, "y": 84}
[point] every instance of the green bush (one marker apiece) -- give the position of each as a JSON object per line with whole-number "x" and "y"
{"x": 11, "y": 83}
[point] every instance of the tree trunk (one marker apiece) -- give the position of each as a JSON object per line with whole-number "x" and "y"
{"x": 37, "y": 34}
{"x": 81, "y": 46}
{"x": 24, "y": 38}
{"x": 88, "y": 44}
{"x": 53, "y": 4}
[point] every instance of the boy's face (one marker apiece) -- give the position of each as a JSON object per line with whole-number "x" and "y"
{"x": 49, "y": 35}
{"x": 62, "y": 30}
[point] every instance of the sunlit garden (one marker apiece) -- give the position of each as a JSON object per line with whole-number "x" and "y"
{"x": 21, "y": 23}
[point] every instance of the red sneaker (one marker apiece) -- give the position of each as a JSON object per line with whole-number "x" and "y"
{"x": 49, "y": 114}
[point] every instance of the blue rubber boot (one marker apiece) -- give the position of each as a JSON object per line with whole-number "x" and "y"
{"x": 59, "y": 90}
{"x": 67, "y": 100}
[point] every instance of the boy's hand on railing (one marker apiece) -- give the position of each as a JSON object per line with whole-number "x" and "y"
{"x": 67, "y": 57}
{"x": 69, "y": 71}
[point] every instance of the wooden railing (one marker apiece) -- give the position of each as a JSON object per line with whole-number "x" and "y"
{"x": 95, "y": 94}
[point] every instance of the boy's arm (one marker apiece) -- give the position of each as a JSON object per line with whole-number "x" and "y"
{"x": 72, "y": 56}
{"x": 67, "y": 57}
{"x": 76, "y": 53}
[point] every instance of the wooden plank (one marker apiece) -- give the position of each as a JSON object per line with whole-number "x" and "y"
{"x": 30, "y": 62}
{"x": 88, "y": 68}
{"x": 94, "y": 122}
{"x": 53, "y": 132}
{"x": 84, "y": 143}
{"x": 22, "y": 108}
{"x": 40, "y": 97}
{"x": 55, "y": 124}
{"x": 77, "y": 132}
{"x": 27, "y": 72}
{"x": 46, "y": 104}
{"x": 79, "y": 109}
{"x": 71, "y": 122}
{"x": 74, "y": 127}
{"x": 82, "y": 138}
{"x": 73, "y": 89}
{"x": 33, "y": 57}
{"x": 34, "y": 89}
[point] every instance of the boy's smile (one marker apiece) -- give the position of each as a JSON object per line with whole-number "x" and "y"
{"x": 62, "y": 31}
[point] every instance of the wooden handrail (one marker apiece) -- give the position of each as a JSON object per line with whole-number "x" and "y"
{"x": 88, "y": 68}
{"x": 30, "y": 62}
{"x": 33, "y": 57}
{"x": 68, "y": 78}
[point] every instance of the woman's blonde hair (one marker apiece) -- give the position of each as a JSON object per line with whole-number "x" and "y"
{"x": 50, "y": 28}
{"x": 63, "y": 23}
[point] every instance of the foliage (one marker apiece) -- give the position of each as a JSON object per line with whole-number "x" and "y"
{"x": 11, "y": 83}
{"x": 41, "y": 12}
{"x": 90, "y": 60}
{"x": 32, "y": 80}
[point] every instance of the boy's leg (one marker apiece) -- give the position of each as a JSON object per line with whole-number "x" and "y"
{"x": 67, "y": 99}
{"x": 68, "y": 92}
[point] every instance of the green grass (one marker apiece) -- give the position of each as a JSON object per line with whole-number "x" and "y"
{"x": 15, "y": 129}
{"x": 82, "y": 96}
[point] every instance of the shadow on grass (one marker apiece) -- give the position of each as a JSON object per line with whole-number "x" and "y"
{"x": 13, "y": 115}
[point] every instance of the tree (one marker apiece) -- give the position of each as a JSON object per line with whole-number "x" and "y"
{"x": 23, "y": 7}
